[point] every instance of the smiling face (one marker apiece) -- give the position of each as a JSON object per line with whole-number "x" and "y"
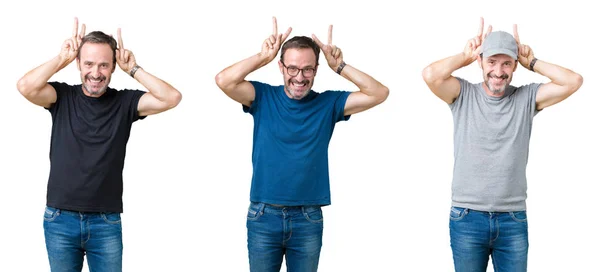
{"x": 298, "y": 86}
{"x": 497, "y": 73}
{"x": 96, "y": 65}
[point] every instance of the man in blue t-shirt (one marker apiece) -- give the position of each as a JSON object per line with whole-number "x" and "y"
{"x": 292, "y": 128}
{"x": 90, "y": 129}
{"x": 492, "y": 128}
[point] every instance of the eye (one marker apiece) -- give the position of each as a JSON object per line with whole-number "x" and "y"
{"x": 293, "y": 69}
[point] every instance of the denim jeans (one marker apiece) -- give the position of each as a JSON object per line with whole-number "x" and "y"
{"x": 275, "y": 232}
{"x": 71, "y": 235}
{"x": 474, "y": 235}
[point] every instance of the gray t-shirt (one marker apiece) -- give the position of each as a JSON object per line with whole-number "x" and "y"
{"x": 491, "y": 147}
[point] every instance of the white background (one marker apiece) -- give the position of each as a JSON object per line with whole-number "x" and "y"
{"x": 187, "y": 172}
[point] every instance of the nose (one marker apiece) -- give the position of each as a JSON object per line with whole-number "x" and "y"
{"x": 95, "y": 71}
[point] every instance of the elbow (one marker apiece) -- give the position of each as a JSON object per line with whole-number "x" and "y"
{"x": 23, "y": 87}
{"x": 573, "y": 83}
{"x": 221, "y": 81}
{"x": 384, "y": 93}
{"x": 174, "y": 99}
{"x": 577, "y": 81}
{"x": 427, "y": 75}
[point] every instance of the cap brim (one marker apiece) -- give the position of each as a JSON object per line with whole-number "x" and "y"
{"x": 493, "y": 52}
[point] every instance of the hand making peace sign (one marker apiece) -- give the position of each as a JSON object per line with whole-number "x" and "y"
{"x": 332, "y": 53}
{"x": 125, "y": 58}
{"x": 70, "y": 47}
{"x": 272, "y": 44}
{"x": 473, "y": 47}
{"x": 525, "y": 52}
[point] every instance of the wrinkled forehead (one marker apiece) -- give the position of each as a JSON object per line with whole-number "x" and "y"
{"x": 300, "y": 57}
{"x": 97, "y": 52}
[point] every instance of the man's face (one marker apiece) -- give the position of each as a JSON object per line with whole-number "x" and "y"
{"x": 303, "y": 62}
{"x": 96, "y": 66}
{"x": 497, "y": 73}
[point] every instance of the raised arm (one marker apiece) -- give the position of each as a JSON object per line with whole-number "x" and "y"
{"x": 161, "y": 96}
{"x": 563, "y": 82}
{"x": 34, "y": 85}
{"x": 438, "y": 75}
{"x": 232, "y": 79}
{"x": 371, "y": 92}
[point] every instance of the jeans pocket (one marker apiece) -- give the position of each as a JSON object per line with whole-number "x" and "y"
{"x": 520, "y": 216}
{"x": 313, "y": 214}
{"x": 457, "y": 213}
{"x": 254, "y": 211}
{"x": 111, "y": 218}
{"x": 50, "y": 214}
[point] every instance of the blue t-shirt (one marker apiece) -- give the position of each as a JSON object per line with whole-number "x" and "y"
{"x": 290, "y": 143}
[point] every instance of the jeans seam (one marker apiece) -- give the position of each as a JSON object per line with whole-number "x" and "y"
{"x": 54, "y": 214}
{"x": 106, "y": 220}
{"x": 514, "y": 218}
{"x": 312, "y": 220}
{"x": 461, "y": 214}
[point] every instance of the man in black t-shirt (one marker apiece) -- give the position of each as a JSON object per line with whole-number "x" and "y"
{"x": 90, "y": 129}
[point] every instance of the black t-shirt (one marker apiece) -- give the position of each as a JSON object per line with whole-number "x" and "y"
{"x": 87, "y": 148}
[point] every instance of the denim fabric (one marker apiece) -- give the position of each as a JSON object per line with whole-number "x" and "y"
{"x": 475, "y": 235}
{"x": 71, "y": 235}
{"x": 275, "y": 232}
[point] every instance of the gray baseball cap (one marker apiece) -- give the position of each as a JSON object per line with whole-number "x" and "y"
{"x": 500, "y": 42}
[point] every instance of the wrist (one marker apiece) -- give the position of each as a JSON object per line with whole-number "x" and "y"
{"x": 532, "y": 64}
{"x": 340, "y": 68}
{"x": 134, "y": 70}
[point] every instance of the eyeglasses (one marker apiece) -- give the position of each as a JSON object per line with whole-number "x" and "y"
{"x": 293, "y": 71}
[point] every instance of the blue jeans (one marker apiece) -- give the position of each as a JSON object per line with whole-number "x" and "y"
{"x": 275, "y": 232}
{"x": 71, "y": 235}
{"x": 474, "y": 235}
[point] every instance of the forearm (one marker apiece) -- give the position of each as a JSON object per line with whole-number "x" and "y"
{"x": 160, "y": 89}
{"x": 367, "y": 84}
{"x": 557, "y": 74}
{"x": 37, "y": 78}
{"x": 443, "y": 69}
{"x": 236, "y": 73}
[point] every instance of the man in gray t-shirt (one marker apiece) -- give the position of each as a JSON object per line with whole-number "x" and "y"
{"x": 492, "y": 128}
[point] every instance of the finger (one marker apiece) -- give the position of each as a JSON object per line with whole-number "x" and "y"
{"x": 120, "y": 38}
{"x": 329, "y": 34}
{"x": 275, "y": 26}
{"x": 516, "y": 34}
{"x": 75, "y": 26}
{"x": 82, "y": 33}
{"x": 319, "y": 43}
{"x": 69, "y": 45}
{"x": 489, "y": 30}
{"x": 126, "y": 56}
{"x": 336, "y": 52}
{"x": 118, "y": 55}
{"x": 287, "y": 33}
{"x": 480, "y": 32}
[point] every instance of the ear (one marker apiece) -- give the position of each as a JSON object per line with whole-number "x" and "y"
{"x": 78, "y": 65}
{"x": 480, "y": 61}
{"x": 281, "y": 67}
{"x": 516, "y": 65}
{"x": 316, "y": 69}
